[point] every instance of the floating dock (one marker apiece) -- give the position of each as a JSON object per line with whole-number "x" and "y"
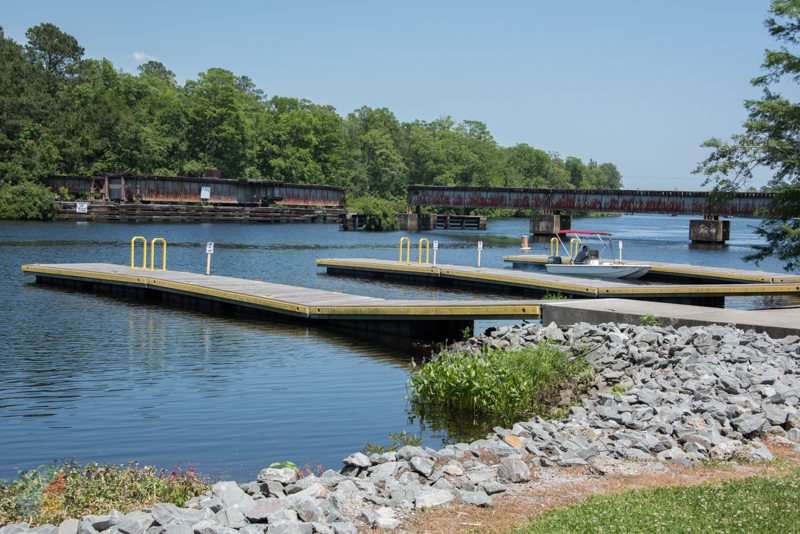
{"x": 676, "y": 272}
{"x": 407, "y": 318}
{"x": 538, "y": 283}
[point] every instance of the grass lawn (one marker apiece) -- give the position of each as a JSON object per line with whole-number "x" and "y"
{"x": 756, "y": 504}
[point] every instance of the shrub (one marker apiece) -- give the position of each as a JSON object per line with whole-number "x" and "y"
{"x": 380, "y": 214}
{"x": 27, "y": 200}
{"x": 51, "y": 494}
{"x": 508, "y": 384}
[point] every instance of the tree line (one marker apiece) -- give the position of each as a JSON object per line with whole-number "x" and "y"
{"x": 62, "y": 113}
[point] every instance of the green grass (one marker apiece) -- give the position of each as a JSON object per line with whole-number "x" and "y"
{"x": 756, "y": 504}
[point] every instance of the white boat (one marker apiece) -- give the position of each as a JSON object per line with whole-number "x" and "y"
{"x": 594, "y": 267}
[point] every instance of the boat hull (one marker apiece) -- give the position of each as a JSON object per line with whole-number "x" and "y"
{"x": 627, "y": 271}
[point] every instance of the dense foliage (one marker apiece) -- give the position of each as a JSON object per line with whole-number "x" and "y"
{"x": 62, "y": 113}
{"x": 504, "y": 383}
{"x": 54, "y": 493}
{"x": 771, "y": 140}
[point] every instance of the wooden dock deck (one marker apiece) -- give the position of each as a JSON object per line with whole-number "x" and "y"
{"x": 539, "y": 282}
{"x": 408, "y": 318}
{"x": 678, "y": 271}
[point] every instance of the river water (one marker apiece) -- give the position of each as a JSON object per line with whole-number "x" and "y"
{"x": 110, "y": 380}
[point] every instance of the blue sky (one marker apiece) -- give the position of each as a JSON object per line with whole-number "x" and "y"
{"x": 640, "y": 84}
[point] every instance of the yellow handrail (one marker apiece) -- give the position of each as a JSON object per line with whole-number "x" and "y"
{"x": 577, "y": 247}
{"x": 553, "y": 241}
{"x": 144, "y": 258}
{"x": 153, "y": 254}
{"x": 427, "y": 250}
{"x": 408, "y": 249}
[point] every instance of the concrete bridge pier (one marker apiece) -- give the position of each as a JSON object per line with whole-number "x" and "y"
{"x": 547, "y": 224}
{"x": 709, "y": 231}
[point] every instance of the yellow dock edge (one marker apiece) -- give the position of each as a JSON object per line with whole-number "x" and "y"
{"x": 86, "y": 275}
{"x": 425, "y": 268}
{"x": 591, "y": 291}
{"x": 432, "y": 310}
{"x": 264, "y": 302}
{"x": 680, "y": 271}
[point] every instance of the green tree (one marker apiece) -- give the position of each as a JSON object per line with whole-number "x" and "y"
{"x": 56, "y": 52}
{"x": 771, "y": 139}
{"x": 220, "y": 130}
{"x": 157, "y": 69}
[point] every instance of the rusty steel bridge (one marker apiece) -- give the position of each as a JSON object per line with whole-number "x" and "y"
{"x": 597, "y": 200}
{"x": 210, "y": 190}
{"x": 213, "y": 190}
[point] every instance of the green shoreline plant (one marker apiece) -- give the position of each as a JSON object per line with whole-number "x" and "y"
{"x": 66, "y": 489}
{"x": 508, "y": 384}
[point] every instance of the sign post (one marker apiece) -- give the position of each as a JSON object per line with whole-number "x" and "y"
{"x": 620, "y": 251}
{"x": 435, "y": 247}
{"x": 480, "y": 247}
{"x": 209, "y": 251}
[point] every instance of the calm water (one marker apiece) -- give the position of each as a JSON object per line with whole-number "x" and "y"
{"x": 111, "y": 380}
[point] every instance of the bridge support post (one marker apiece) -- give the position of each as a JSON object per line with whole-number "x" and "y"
{"x": 709, "y": 231}
{"x": 544, "y": 224}
{"x": 411, "y": 222}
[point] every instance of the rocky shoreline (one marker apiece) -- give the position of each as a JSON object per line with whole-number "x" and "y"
{"x": 654, "y": 396}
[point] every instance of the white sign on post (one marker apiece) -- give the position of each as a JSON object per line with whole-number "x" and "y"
{"x": 81, "y": 207}
{"x": 620, "y": 244}
{"x": 209, "y": 247}
{"x": 435, "y": 245}
{"x": 480, "y": 245}
{"x": 205, "y": 193}
{"x": 209, "y": 252}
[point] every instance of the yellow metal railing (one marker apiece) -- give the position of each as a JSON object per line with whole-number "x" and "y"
{"x": 427, "y": 250}
{"x": 153, "y": 253}
{"x": 577, "y": 247}
{"x": 553, "y": 241}
{"x": 408, "y": 249}
{"x": 144, "y": 250}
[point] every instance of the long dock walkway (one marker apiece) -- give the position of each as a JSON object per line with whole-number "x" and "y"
{"x": 408, "y": 318}
{"x": 539, "y": 282}
{"x": 678, "y": 271}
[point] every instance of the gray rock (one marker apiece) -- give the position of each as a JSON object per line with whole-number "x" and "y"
{"x": 181, "y": 528}
{"x": 70, "y": 526}
{"x": 261, "y": 511}
{"x": 477, "y": 498}
{"x": 284, "y": 475}
{"x": 432, "y": 497}
{"x": 309, "y": 512}
{"x": 358, "y": 460}
{"x": 760, "y": 453}
{"x": 749, "y": 424}
{"x": 423, "y": 466}
{"x": 230, "y": 517}
{"x": 290, "y": 527}
{"x": 408, "y": 452}
{"x": 344, "y": 528}
{"x": 492, "y": 487}
{"x": 513, "y": 470}
{"x": 135, "y": 523}
{"x": 232, "y": 495}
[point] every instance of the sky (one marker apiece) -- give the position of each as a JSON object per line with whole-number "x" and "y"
{"x": 640, "y": 84}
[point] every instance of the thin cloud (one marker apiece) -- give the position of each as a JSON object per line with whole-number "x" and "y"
{"x": 141, "y": 57}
